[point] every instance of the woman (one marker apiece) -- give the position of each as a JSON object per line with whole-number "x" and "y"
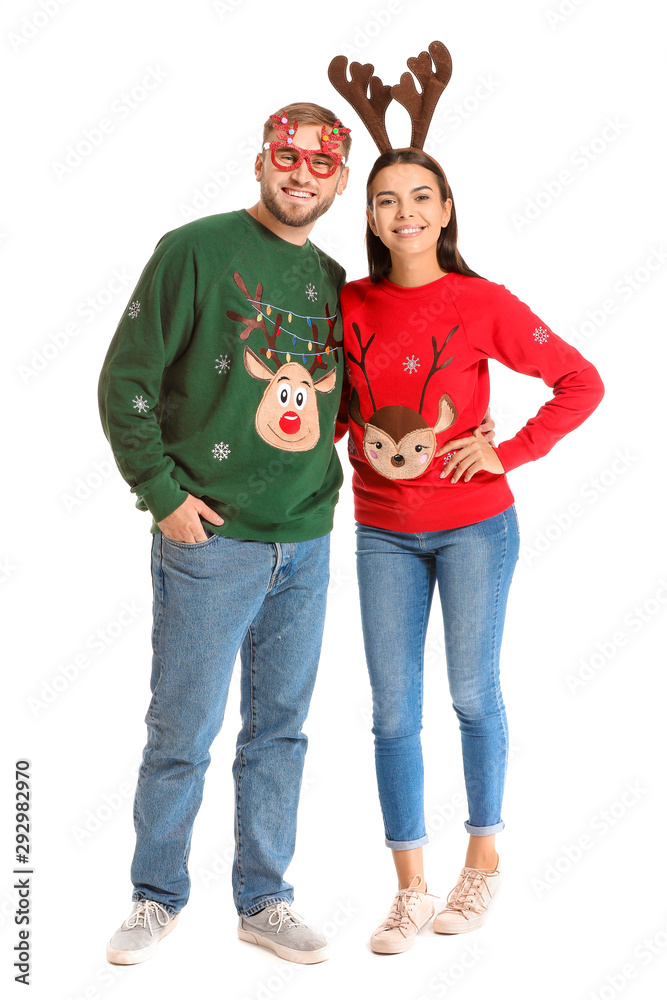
{"x": 432, "y": 503}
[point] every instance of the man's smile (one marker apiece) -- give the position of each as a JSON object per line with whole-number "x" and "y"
{"x": 299, "y": 194}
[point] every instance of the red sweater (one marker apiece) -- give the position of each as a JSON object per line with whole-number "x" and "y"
{"x": 417, "y": 377}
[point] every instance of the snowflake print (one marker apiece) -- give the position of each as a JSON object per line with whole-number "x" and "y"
{"x": 134, "y": 309}
{"x": 220, "y": 451}
{"x": 140, "y": 404}
{"x": 311, "y": 293}
{"x": 222, "y": 364}
{"x": 411, "y": 365}
{"x": 541, "y": 335}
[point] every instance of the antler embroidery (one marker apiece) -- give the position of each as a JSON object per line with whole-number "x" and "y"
{"x": 435, "y": 367}
{"x": 331, "y": 345}
{"x": 256, "y": 322}
{"x": 362, "y": 363}
{"x": 420, "y": 107}
{"x": 371, "y": 109}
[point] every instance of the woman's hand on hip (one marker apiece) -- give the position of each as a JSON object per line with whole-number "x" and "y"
{"x": 487, "y": 426}
{"x": 473, "y": 454}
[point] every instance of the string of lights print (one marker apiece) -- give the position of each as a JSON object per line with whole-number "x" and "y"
{"x": 269, "y": 306}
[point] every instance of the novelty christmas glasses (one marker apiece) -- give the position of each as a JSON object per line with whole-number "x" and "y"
{"x": 286, "y": 155}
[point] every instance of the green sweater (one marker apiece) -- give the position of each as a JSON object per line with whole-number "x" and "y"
{"x": 223, "y": 380}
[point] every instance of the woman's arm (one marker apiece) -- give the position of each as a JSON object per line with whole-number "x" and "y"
{"x": 498, "y": 325}
{"x": 342, "y": 420}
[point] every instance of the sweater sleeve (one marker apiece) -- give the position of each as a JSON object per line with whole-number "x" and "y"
{"x": 508, "y": 331}
{"x": 154, "y": 330}
{"x": 343, "y": 420}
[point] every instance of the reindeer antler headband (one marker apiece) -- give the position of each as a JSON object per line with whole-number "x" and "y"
{"x": 372, "y": 106}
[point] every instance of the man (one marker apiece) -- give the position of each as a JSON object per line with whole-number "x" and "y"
{"x": 219, "y": 396}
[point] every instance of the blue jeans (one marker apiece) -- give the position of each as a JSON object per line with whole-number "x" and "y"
{"x": 210, "y": 599}
{"x": 397, "y": 571}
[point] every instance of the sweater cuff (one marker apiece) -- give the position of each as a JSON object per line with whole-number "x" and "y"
{"x": 162, "y": 495}
{"x": 513, "y": 453}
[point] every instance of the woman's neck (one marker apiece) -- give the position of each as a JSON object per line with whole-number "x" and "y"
{"x": 411, "y": 271}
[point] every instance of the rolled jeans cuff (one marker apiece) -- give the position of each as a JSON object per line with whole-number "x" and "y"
{"x": 406, "y": 845}
{"x": 262, "y": 905}
{"x": 484, "y": 831}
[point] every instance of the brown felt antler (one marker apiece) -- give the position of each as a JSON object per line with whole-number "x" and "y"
{"x": 435, "y": 367}
{"x": 256, "y": 321}
{"x": 330, "y": 346}
{"x": 371, "y": 109}
{"x": 420, "y": 107}
{"x": 363, "y": 350}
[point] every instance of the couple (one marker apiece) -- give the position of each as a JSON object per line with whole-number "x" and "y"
{"x": 240, "y": 357}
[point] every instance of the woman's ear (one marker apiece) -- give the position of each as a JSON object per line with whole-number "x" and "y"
{"x": 371, "y": 221}
{"x": 446, "y": 213}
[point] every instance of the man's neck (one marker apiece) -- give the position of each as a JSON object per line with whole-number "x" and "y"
{"x": 297, "y": 235}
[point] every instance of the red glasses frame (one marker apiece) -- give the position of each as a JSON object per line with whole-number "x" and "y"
{"x": 304, "y": 154}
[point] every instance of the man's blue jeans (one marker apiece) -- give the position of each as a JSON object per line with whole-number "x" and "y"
{"x": 211, "y": 599}
{"x": 397, "y": 571}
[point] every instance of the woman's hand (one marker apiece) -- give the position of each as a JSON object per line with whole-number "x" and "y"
{"x": 473, "y": 454}
{"x": 487, "y": 425}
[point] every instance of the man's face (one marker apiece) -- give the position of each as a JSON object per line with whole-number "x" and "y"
{"x": 297, "y": 197}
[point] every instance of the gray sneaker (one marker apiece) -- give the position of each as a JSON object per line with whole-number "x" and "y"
{"x": 137, "y": 938}
{"x": 282, "y": 930}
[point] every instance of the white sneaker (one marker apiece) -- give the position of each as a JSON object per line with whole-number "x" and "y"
{"x": 469, "y": 901}
{"x": 279, "y": 928}
{"x": 138, "y": 937}
{"x": 409, "y": 912}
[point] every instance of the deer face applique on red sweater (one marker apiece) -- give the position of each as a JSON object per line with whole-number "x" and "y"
{"x": 287, "y": 416}
{"x": 399, "y": 442}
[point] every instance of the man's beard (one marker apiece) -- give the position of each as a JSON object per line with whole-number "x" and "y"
{"x": 270, "y": 201}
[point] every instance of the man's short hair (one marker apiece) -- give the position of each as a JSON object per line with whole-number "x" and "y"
{"x": 308, "y": 114}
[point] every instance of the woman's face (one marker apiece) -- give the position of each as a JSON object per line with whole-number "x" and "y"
{"x": 406, "y": 209}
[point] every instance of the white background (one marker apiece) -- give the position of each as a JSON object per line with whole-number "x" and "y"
{"x": 532, "y": 94}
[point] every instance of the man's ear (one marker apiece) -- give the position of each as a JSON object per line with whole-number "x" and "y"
{"x": 371, "y": 221}
{"x": 258, "y": 167}
{"x": 342, "y": 180}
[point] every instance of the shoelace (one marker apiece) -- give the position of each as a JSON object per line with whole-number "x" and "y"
{"x": 400, "y": 914}
{"x": 463, "y": 895}
{"x": 142, "y": 915}
{"x": 283, "y": 912}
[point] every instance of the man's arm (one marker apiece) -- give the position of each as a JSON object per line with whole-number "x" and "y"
{"x": 155, "y": 329}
